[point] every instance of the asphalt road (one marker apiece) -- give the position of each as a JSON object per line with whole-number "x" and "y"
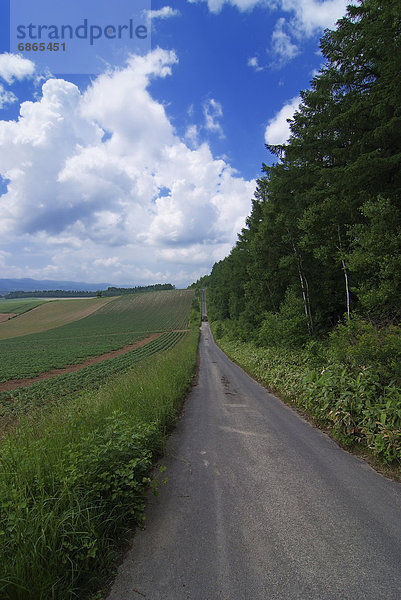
{"x": 261, "y": 506}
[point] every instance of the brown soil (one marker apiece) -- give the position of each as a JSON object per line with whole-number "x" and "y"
{"x": 16, "y": 383}
{"x": 6, "y": 316}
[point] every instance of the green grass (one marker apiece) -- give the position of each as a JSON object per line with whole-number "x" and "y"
{"x": 73, "y": 478}
{"x": 18, "y": 306}
{"x": 116, "y": 324}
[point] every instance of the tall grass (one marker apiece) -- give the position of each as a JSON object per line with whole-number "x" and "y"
{"x": 72, "y": 479}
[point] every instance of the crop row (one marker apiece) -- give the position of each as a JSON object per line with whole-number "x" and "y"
{"x": 74, "y": 477}
{"x": 29, "y": 356}
{"x": 117, "y": 324}
{"x": 57, "y": 389}
{"x": 18, "y": 306}
{"x": 158, "y": 310}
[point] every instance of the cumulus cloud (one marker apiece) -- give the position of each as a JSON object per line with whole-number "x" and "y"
{"x": 14, "y": 66}
{"x": 93, "y": 206}
{"x": 192, "y": 136}
{"x": 213, "y": 111}
{"x": 278, "y": 128}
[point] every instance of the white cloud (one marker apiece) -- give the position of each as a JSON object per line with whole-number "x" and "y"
{"x": 283, "y": 48}
{"x": 215, "y": 6}
{"x": 3, "y": 256}
{"x": 313, "y": 15}
{"x": 6, "y": 97}
{"x": 305, "y": 18}
{"x": 113, "y": 261}
{"x": 308, "y": 15}
{"x": 253, "y": 62}
{"x": 162, "y": 13}
{"x": 192, "y": 136}
{"x": 120, "y": 207}
{"x": 213, "y": 111}
{"x": 14, "y": 66}
{"x": 278, "y": 128}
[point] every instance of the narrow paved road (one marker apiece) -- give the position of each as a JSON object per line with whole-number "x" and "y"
{"x": 261, "y": 506}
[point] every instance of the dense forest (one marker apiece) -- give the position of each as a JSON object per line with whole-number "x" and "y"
{"x": 309, "y": 299}
{"x": 323, "y": 239}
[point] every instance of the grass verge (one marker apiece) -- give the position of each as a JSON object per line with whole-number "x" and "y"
{"x": 73, "y": 479}
{"x": 361, "y": 413}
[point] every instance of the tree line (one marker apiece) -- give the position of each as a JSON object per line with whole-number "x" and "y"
{"x": 323, "y": 240}
{"x": 111, "y": 291}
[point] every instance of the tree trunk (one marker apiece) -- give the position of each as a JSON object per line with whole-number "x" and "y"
{"x": 305, "y": 291}
{"x": 344, "y": 266}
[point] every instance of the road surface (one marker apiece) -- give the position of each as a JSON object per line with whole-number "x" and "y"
{"x": 261, "y": 506}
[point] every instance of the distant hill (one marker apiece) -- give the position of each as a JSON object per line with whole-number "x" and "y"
{"x": 32, "y": 285}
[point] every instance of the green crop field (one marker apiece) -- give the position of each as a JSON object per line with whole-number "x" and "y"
{"x": 75, "y": 469}
{"x": 58, "y": 389}
{"x": 115, "y": 325}
{"x": 157, "y": 310}
{"x": 18, "y": 306}
{"x": 45, "y": 315}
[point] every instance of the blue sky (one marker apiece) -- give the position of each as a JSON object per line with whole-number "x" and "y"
{"x": 143, "y": 171}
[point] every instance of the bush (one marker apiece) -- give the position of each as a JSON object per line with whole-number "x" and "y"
{"x": 287, "y": 328}
{"x": 358, "y": 344}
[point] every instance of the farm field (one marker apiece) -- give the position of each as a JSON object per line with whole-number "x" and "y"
{"x": 18, "y": 306}
{"x": 118, "y": 323}
{"x": 56, "y": 390}
{"x": 12, "y": 308}
{"x": 76, "y": 468}
{"x": 36, "y": 316}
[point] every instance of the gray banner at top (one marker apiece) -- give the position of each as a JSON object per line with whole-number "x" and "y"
{"x": 79, "y": 36}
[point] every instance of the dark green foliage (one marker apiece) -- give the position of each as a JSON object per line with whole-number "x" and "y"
{"x": 288, "y": 327}
{"x": 376, "y": 258}
{"x": 322, "y": 245}
{"x": 325, "y": 225}
{"x": 358, "y": 345}
{"x": 157, "y": 287}
{"x": 111, "y": 291}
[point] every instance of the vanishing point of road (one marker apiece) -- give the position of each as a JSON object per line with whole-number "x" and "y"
{"x": 259, "y": 505}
